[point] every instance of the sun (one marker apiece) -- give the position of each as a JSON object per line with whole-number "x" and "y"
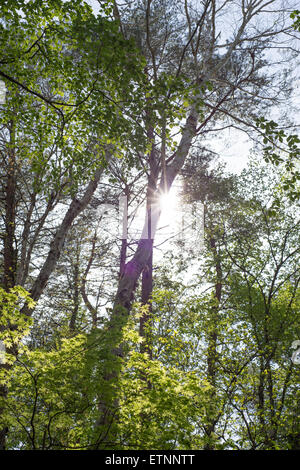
{"x": 169, "y": 206}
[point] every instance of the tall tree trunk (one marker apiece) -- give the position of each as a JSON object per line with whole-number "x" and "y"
{"x": 147, "y": 273}
{"x": 147, "y": 285}
{"x": 123, "y": 253}
{"x": 88, "y": 304}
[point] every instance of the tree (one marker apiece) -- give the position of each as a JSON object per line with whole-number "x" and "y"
{"x": 60, "y": 125}
{"x": 189, "y": 70}
{"x": 174, "y": 362}
{"x": 251, "y": 315}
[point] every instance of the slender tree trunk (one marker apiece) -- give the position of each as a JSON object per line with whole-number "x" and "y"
{"x": 26, "y": 246}
{"x": 90, "y": 307}
{"x": 147, "y": 285}
{"x": 76, "y": 296}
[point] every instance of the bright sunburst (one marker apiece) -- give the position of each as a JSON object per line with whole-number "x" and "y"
{"x": 169, "y": 204}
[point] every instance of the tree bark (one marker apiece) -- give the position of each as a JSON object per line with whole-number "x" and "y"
{"x": 90, "y": 307}
{"x": 147, "y": 285}
{"x": 76, "y": 295}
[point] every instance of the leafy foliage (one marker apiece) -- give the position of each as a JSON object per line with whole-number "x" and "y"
{"x": 288, "y": 157}
{"x": 211, "y": 367}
